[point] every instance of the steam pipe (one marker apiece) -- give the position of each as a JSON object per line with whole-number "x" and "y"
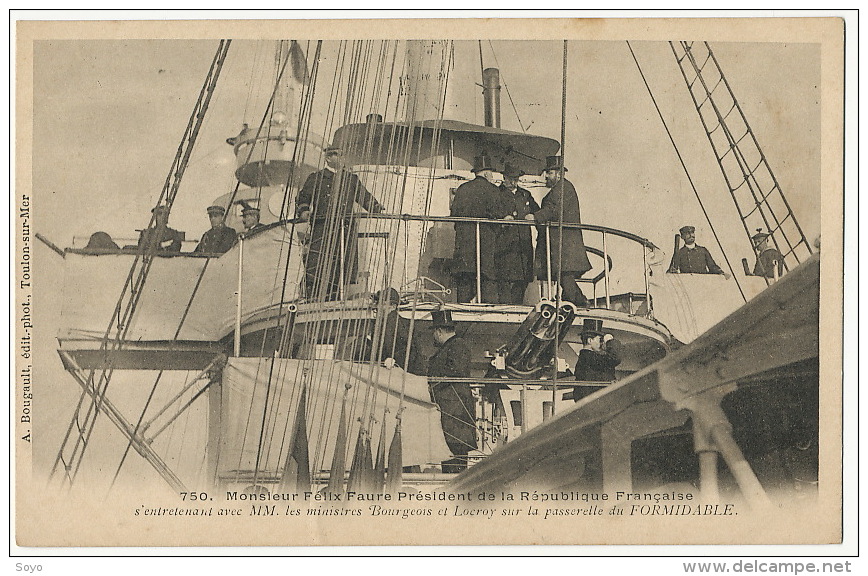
{"x": 491, "y": 96}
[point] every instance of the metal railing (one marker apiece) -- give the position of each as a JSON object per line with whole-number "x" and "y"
{"x": 544, "y": 228}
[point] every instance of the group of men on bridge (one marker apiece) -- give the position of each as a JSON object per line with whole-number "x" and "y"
{"x": 504, "y": 261}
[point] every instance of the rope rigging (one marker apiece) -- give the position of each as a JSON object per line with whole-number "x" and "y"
{"x": 267, "y": 115}
{"x": 751, "y": 170}
{"x": 114, "y": 337}
{"x": 686, "y": 172}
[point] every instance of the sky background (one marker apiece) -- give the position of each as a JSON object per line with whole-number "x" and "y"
{"x": 108, "y": 116}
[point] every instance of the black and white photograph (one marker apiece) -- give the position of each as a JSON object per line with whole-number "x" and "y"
{"x": 428, "y": 282}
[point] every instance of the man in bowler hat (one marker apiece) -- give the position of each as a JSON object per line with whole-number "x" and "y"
{"x": 476, "y": 199}
{"x": 455, "y": 399}
{"x": 326, "y": 200}
{"x": 569, "y": 259}
{"x": 514, "y": 247}
{"x": 693, "y": 258}
{"x": 599, "y": 356}
{"x": 220, "y": 237}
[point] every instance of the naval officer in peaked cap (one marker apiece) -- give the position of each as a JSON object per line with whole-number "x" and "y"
{"x": 220, "y": 237}
{"x": 160, "y": 237}
{"x": 693, "y": 258}
{"x": 326, "y": 200}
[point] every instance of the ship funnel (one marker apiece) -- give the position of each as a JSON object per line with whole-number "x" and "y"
{"x": 491, "y": 96}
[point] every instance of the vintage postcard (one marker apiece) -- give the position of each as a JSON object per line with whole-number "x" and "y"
{"x": 428, "y": 282}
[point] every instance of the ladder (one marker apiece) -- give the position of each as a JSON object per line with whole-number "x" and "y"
{"x": 95, "y": 384}
{"x": 752, "y": 184}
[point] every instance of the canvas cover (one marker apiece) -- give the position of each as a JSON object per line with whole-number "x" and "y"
{"x": 94, "y": 281}
{"x": 268, "y": 389}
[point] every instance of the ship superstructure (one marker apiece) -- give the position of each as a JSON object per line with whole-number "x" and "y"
{"x": 290, "y": 382}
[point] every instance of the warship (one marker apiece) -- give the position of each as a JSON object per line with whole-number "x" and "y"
{"x": 272, "y": 367}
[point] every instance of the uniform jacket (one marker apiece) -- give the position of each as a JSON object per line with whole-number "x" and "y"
{"x": 217, "y": 240}
{"x": 599, "y": 366}
{"x": 330, "y": 197}
{"x": 694, "y": 261}
{"x": 166, "y": 239}
{"x": 575, "y": 258}
{"x": 514, "y": 247}
{"x": 765, "y": 264}
{"x": 476, "y": 199}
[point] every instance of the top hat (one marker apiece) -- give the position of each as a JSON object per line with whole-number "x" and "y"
{"x": 442, "y": 319}
{"x": 592, "y": 326}
{"x": 554, "y": 163}
{"x": 687, "y": 230}
{"x": 218, "y": 210}
{"x": 390, "y": 295}
{"x": 511, "y": 171}
{"x": 481, "y": 163}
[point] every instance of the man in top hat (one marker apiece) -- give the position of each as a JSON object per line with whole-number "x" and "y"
{"x": 692, "y": 258}
{"x": 514, "y": 247}
{"x": 389, "y": 339}
{"x": 769, "y": 261}
{"x": 250, "y": 218}
{"x": 159, "y": 237}
{"x": 599, "y": 356}
{"x": 569, "y": 259}
{"x": 326, "y": 200}
{"x": 455, "y": 399}
{"x": 476, "y": 199}
{"x": 220, "y": 238}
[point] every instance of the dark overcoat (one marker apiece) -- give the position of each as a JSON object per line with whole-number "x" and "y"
{"x": 330, "y": 196}
{"x": 394, "y": 343}
{"x": 599, "y": 366}
{"x": 455, "y": 400}
{"x": 476, "y": 199}
{"x": 573, "y": 258}
{"x": 514, "y": 246}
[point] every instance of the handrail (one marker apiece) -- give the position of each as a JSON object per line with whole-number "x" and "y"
{"x": 424, "y": 218}
{"x": 477, "y": 223}
{"x": 457, "y": 219}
